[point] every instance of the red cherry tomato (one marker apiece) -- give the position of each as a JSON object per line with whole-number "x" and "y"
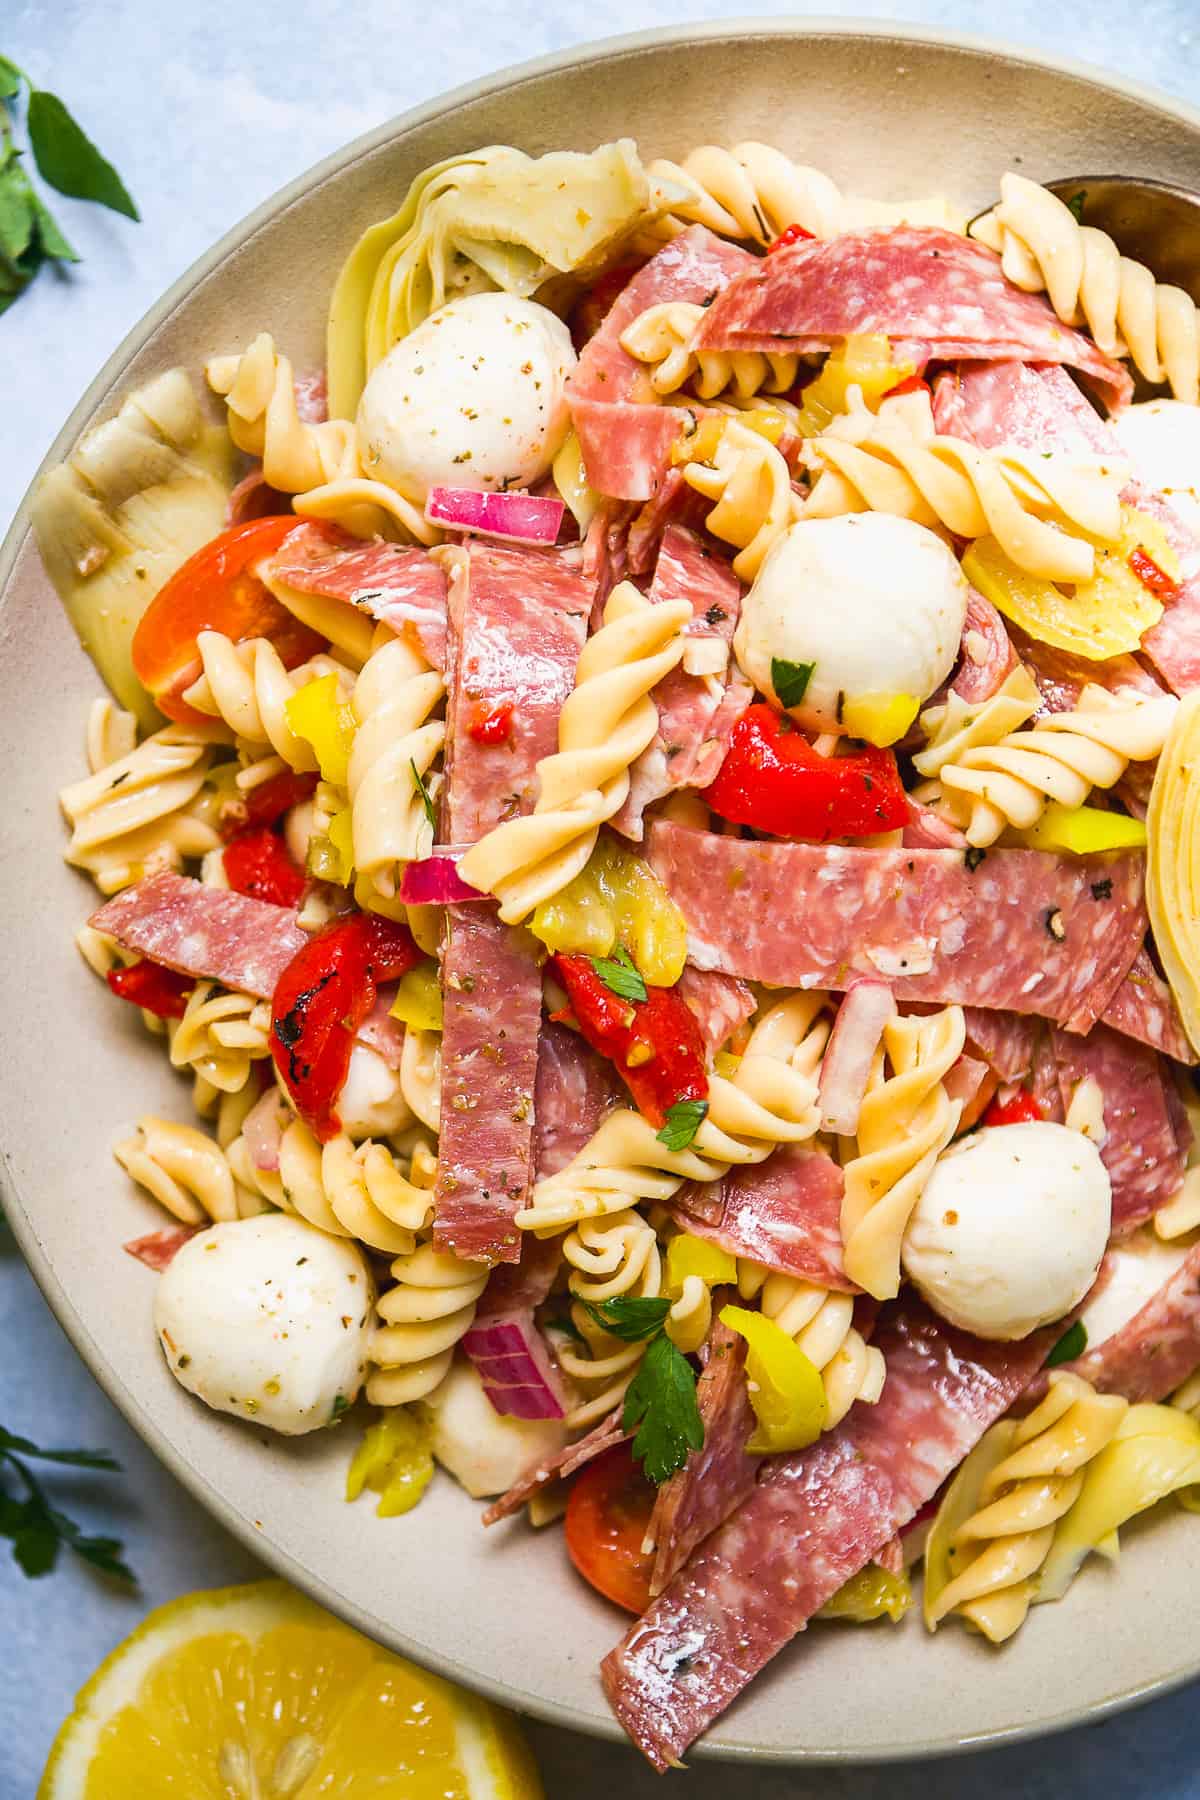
{"x": 257, "y": 863}
{"x": 607, "y": 1517}
{"x": 1020, "y": 1109}
{"x": 216, "y": 590}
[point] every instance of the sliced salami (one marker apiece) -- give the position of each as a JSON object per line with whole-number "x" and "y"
{"x": 1044, "y": 1084}
{"x": 696, "y": 713}
{"x": 717, "y": 1478}
{"x": 719, "y": 1002}
{"x": 158, "y": 1249}
{"x": 935, "y": 294}
{"x": 1143, "y": 1008}
{"x": 575, "y": 1088}
{"x": 987, "y": 654}
{"x": 625, "y": 433}
{"x": 566, "y": 1463}
{"x": 1021, "y": 930}
{"x": 813, "y": 1520}
{"x": 1158, "y": 1348}
{"x": 784, "y": 1212}
{"x": 404, "y": 588}
{"x": 1141, "y": 1151}
{"x": 213, "y": 934}
{"x": 1005, "y": 1040}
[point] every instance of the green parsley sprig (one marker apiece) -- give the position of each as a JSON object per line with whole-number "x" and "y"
{"x": 621, "y": 975}
{"x": 37, "y": 1529}
{"x": 660, "y": 1401}
{"x": 1071, "y": 1344}
{"x": 67, "y": 159}
{"x": 683, "y": 1121}
{"x": 790, "y": 680}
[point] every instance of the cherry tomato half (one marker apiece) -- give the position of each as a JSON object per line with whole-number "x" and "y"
{"x": 216, "y": 590}
{"x": 607, "y": 1518}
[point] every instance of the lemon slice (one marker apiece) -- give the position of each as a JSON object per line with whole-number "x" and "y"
{"x": 255, "y": 1693}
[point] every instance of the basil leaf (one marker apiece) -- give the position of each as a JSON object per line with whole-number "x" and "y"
{"x": 51, "y": 238}
{"x": 1071, "y": 1344}
{"x": 10, "y": 79}
{"x": 790, "y": 680}
{"x": 67, "y": 158}
{"x": 684, "y": 1120}
{"x": 18, "y": 214}
{"x": 629, "y": 1318}
{"x": 661, "y": 1402}
{"x": 620, "y": 975}
{"x": 426, "y": 802}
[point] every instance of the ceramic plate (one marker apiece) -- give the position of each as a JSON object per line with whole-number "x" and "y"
{"x": 886, "y": 114}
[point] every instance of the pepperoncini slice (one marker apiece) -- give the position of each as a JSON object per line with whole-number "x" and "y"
{"x": 316, "y": 714}
{"x": 418, "y": 1001}
{"x": 688, "y": 1255}
{"x": 616, "y": 898}
{"x": 873, "y": 1593}
{"x": 394, "y": 1461}
{"x": 864, "y": 362}
{"x": 880, "y": 719}
{"x": 785, "y": 1386}
{"x": 1082, "y": 830}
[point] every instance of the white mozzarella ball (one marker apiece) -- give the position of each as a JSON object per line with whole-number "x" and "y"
{"x": 371, "y": 1103}
{"x": 1162, "y": 441}
{"x": 1136, "y": 1269}
{"x": 875, "y": 604}
{"x": 1011, "y": 1228}
{"x": 475, "y": 397}
{"x": 269, "y": 1319}
{"x": 485, "y": 1450}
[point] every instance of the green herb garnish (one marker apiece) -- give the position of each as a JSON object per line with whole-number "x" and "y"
{"x": 629, "y": 1318}
{"x": 1076, "y": 204}
{"x": 790, "y": 680}
{"x": 661, "y": 1403}
{"x": 36, "y": 1528}
{"x": 684, "y": 1120}
{"x": 426, "y": 802}
{"x": 620, "y": 974}
{"x": 340, "y": 1405}
{"x": 1071, "y": 1344}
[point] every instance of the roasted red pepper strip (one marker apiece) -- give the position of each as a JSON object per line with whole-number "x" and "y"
{"x": 1020, "y": 1109}
{"x": 267, "y": 803}
{"x": 491, "y": 725}
{"x": 795, "y": 234}
{"x": 912, "y": 384}
{"x": 654, "y": 1044}
{"x": 1151, "y": 576}
{"x": 773, "y": 780}
{"x": 320, "y": 1001}
{"x": 257, "y": 863}
{"x": 155, "y": 989}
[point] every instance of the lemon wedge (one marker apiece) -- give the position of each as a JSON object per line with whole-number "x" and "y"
{"x": 255, "y": 1692}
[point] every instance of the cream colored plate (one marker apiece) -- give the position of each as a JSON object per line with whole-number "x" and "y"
{"x": 888, "y": 115}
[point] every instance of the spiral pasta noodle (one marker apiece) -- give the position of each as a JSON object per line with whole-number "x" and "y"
{"x": 907, "y": 1119}
{"x": 318, "y": 464}
{"x": 605, "y": 724}
{"x": 111, "y": 734}
{"x": 220, "y": 1037}
{"x": 139, "y": 813}
{"x": 421, "y": 1075}
{"x": 663, "y": 335}
{"x": 750, "y": 486}
{"x": 247, "y": 686}
{"x": 420, "y": 1320}
{"x": 185, "y": 1171}
{"x": 1044, "y": 249}
{"x": 394, "y": 697}
{"x": 1042, "y": 511}
{"x": 350, "y": 1190}
{"x": 822, "y": 1323}
{"x": 1022, "y": 1499}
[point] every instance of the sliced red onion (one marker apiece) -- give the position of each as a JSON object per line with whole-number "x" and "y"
{"x": 436, "y": 882}
{"x": 263, "y": 1127}
{"x": 514, "y": 1365}
{"x": 515, "y": 518}
{"x": 972, "y": 1082}
{"x": 846, "y": 1068}
{"x": 158, "y": 1248}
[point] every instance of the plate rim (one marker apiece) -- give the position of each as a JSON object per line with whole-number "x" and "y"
{"x": 20, "y": 1218}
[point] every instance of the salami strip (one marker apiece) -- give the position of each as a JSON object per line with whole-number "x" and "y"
{"x": 606, "y": 552}
{"x": 213, "y": 934}
{"x": 158, "y": 1249}
{"x": 1141, "y": 1151}
{"x": 987, "y": 654}
{"x": 1005, "y": 1040}
{"x": 675, "y": 503}
{"x": 1143, "y": 1008}
{"x": 518, "y": 619}
{"x": 937, "y": 295}
{"x": 696, "y": 713}
{"x": 575, "y": 1088}
{"x": 1042, "y": 409}
{"x": 567, "y": 1462}
{"x": 784, "y": 1212}
{"x": 925, "y": 830}
{"x": 814, "y": 1519}
{"x": 404, "y": 588}
{"x": 1021, "y": 930}
{"x": 719, "y": 1002}
{"x": 1158, "y": 1348}
{"x": 624, "y": 431}
{"x": 519, "y": 1287}
{"x": 715, "y": 1480}
{"x": 1043, "y": 1080}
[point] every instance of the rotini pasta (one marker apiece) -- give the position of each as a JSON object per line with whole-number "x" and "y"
{"x": 663, "y": 335}
{"x": 907, "y": 1119}
{"x": 394, "y": 697}
{"x": 348, "y": 1189}
{"x": 220, "y": 1037}
{"x": 139, "y": 813}
{"x": 1044, "y": 248}
{"x": 420, "y": 1320}
{"x": 751, "y": 489}
{"x": 1034, "y": 1484}
{"x": 606, "y": 723}
{"x": 822, "y": 1323}
{"x": 111, "y": 734}
{"x": 185, "y": 1171}
{"x": 247, "y": 687}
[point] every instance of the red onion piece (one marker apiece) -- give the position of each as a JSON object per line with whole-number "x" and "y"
{"x": 514, "y": 518}
{"x": 263, "y": 1127}
{"x": 865, "y": 1010}
{"x": 972, "y": 1082}
{"x": 436, "y": 882}
{"x": 514, "y": 1365}
{"x": 158, "y": 1248}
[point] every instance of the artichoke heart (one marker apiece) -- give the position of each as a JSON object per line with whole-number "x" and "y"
{"x": 1173, "y": 862}
{"x": 127, "y": 507}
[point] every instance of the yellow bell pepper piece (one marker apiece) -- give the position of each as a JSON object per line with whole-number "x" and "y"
{"x": 1106, "y": 616}
{"x": 341, "y": 838}
{"x": 688, "y": 1255}
{"x": 394, "y": 1461}
{"x": 616, "y": 899}
{"x": 1173, "y": 862}
{"x": 767, "y": 421}
{"x": 880, "y": 719}
{"x": 702, "y": 444}
{"x": 1081, "y": 830}
{"x": 315, "y": 714}
{"x": 418, "y": 999}
{"x": 785, "y": 1386}
{"x": 864, "y": 362}
{"x": 873, "y": 1593}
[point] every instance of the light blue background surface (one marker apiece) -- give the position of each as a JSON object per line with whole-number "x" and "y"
{"x": 206, "y": 107}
